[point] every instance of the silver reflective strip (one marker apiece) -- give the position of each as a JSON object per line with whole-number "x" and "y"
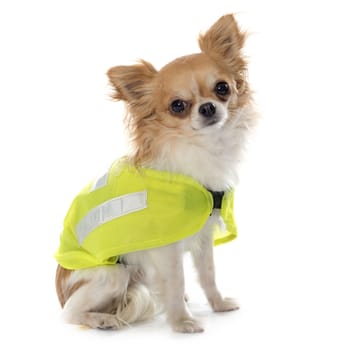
{"x": 110, "y": 210}
{"x": 100, "y": 182}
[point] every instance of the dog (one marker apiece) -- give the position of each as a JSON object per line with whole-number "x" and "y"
{"x": 192, "y": 118}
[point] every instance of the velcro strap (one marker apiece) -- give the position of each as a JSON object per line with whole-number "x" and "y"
{"x": 217, "y": 198}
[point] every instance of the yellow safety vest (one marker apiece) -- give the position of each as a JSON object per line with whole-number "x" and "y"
{"x": 130, "y": 209}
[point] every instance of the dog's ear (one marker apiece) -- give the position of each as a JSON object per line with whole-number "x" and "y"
{"x": 132, "y": 83}
{"x": 223, "y": 41}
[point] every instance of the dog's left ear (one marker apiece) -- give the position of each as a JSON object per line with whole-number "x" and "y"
{"x": 223, "y": 41}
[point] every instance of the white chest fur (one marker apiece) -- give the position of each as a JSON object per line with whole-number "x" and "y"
{"x": 211, "y": 157}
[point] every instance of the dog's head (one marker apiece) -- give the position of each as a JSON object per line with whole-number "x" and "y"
{"x": 192, "y": 95}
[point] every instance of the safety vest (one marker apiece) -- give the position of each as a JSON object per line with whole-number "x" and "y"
{"x": 130, "y": 209}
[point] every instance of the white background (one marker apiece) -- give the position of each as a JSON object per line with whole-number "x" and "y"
{"x": 289, "y": 268}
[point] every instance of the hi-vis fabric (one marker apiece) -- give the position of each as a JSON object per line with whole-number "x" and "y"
{"x": 130, "y": 209}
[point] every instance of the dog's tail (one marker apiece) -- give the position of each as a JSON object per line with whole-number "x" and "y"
{"x": 104, "y": 297}
{"x": 138, "y": 305}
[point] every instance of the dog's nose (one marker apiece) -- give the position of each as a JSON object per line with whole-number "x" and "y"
{"x": 207, "y": 109}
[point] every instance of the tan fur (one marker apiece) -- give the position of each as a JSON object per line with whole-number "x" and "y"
{"x": 218, "y": 43}
{"x": 63, "y": 290}
{"x": 207, "y": 148}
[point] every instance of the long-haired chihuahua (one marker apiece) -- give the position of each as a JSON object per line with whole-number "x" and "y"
{"x": 191, "y": 119}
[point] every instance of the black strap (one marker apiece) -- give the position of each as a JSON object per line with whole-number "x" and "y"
{"x": 217, "y": 198}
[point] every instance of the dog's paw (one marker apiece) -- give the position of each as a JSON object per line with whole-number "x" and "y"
{"x": 188, "y": 325}
{"x": 98, "y": 320}
{"x": 224, "y": 304}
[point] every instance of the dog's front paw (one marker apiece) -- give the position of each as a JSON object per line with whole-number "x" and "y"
{"x": 224, "y": 304}
{"x": 188, "y": 325}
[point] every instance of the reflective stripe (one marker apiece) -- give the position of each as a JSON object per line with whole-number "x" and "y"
{"x": 110, "y": 210}
{"x": 100, "y": 182}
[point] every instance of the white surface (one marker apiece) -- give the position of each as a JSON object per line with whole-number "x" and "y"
{"x": 290, "y": 265}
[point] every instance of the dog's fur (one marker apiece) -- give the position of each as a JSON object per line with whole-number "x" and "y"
{"x": 190, "y": 137}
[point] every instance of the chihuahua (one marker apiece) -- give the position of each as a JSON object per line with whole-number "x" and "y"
{"x": 193, "y": 118}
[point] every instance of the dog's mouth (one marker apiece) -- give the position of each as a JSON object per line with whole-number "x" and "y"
{"x": 205, "y": 123}
{"x": 211, "y": 122}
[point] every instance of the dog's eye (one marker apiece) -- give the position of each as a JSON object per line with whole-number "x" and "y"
{"x": 222, "y": 88}
{"x": 178, "y": 106}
